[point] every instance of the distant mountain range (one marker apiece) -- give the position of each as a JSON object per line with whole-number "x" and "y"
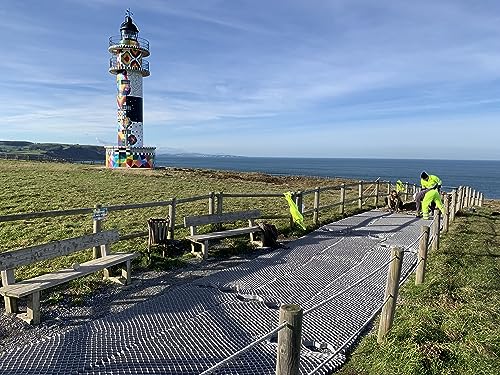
{"x": 76, "y": 152}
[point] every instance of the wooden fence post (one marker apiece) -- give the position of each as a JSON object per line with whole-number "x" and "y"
{"x": 220, "y": 208}
{"x": 453, "y": 205}
{"x": 294, "y": 198}
{"x": 360, "y": 194}
{"x": 171, "y": 214}
{"x": 406, "y": 190}
{"x": 481, "y": 199}
{"x": 459, "y": 199}
{"x": 316, "y": 207}
{"x": 97, "y": 227}
{"x": 391, "y": 293}
{"x": 211, "y": 203}
{"x": 299, "y": 201}
{"x": 377, "y": 188}
{"x": 446, "y": 217}
{"x": 422, "y": 254}
{"x": 342, "y": 199}
{"x": 289, "y": 340}
{"x": 435, "y": 229}
{"x": 388, "y": 188}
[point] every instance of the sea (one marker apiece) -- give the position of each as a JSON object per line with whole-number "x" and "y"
{"x": 482, "y": 175}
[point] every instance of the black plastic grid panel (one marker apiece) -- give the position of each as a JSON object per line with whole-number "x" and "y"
{"x": 192, "y": 327}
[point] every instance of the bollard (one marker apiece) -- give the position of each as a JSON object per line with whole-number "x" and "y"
{"x": 422, "y": 255}
{"x": 391, "y": 293}
{"x": 435, "y": 230}
{"x": 289, "y": 340}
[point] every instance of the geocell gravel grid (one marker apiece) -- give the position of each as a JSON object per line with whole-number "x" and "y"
{"x": 191, "y": 327}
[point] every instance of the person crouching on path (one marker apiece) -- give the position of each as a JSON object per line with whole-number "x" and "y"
{"x": 427, "y": 182}
{"x": 432, "y": 195}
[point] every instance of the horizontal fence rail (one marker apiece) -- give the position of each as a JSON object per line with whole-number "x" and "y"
{"x": 457, "y": 200}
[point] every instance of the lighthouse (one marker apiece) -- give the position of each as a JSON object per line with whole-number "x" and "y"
{"x": 128, "y": 64}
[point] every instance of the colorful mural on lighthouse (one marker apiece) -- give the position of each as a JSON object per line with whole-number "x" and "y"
{"x": 128, "y": 64}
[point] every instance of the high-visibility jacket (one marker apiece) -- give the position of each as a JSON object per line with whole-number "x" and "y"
{"x": 294, "y": 211}
{"x": 431, "y": 183}
{"x": 429, "y": 197}
{"x": 400, "y": 187}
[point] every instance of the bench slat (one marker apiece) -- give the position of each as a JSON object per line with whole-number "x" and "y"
{"x": 221, "y": 218}
{"x": 223, "y": 234}
{"x": 49, "y": 280}
{"x": 32, "y": 254}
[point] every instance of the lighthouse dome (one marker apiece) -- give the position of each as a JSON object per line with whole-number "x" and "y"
{"x": 128, "y": 25}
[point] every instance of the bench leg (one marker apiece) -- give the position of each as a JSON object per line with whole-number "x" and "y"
{"x": 9, "y": 278}
{"x": 204, "y": 249}
{"x": 106, "y": 274}
{"x": 126, "y": 270}
{"x": 193, "y": 248}
{"x": 10, "y": 305}
{"x": 33, "y": 310}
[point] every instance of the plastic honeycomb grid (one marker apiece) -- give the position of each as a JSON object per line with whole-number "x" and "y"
{"x": 189, "y": 328}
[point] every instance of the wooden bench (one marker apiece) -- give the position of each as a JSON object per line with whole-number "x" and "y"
{"x": 202, "y": 239}
{"x": 31, "y": 288}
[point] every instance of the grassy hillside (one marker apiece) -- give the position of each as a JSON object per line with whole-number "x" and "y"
{"x": 53, "y": 150}
{"x": 449, "y": 325}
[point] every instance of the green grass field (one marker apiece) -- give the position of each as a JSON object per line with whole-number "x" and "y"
{"x": 450, "y": 324}
{"x": 37, "y": 186}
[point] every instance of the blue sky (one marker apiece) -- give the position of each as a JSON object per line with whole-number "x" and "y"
{"x": 308, "y": 78}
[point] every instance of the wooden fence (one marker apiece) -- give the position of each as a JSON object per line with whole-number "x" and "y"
{"x": 312, "y": 203}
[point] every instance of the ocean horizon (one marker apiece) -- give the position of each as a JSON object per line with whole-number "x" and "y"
{"x": 482, "y": 175}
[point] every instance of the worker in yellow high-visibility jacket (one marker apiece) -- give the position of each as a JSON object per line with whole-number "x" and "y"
{"x": 432, "y": 195}
{"x": 427, "y": 182}
{"x": 430, "y": 181}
